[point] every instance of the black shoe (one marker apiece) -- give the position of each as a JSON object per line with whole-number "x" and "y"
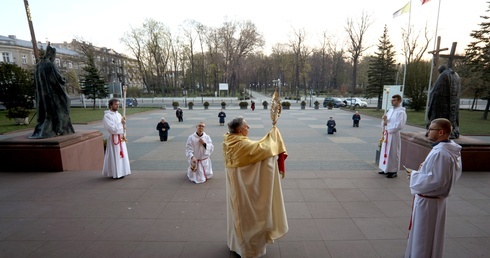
{"x": 381, "y": 172}
{"x": 391, "y": 175}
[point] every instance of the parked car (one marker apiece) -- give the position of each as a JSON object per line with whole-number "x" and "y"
{"x": 131, "y": 102}
{"x": 406, "y": 102}
{"x": 337, "y": 102}
{"x": 355, "y": 101}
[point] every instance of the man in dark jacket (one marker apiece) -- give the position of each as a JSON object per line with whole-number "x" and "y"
{"x": 162, "y": 129}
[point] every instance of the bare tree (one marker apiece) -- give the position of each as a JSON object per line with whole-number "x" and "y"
{"x": 356, "y": 32}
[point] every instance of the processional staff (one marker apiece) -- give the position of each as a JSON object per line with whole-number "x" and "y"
{"x": 384, "y": 133}
{"x": 125, "y": 88}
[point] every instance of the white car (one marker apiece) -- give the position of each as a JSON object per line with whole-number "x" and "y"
{"x": 355, "y": 101}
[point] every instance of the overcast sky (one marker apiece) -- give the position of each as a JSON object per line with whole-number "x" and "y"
{"x": 104, "y": 22}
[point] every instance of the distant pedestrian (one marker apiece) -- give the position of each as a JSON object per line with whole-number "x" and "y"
{"x": 331, "y": 126}
{"x": 222, "y": 116}
{"x": 355, "y": 119}
{"x": 252, "y": 105}
{"x": 180, "y": 114}
{"x": 162, "y": 128}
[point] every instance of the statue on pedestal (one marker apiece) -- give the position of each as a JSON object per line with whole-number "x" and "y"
{"x": 52, "y": 102}
{"x": 444, "y": 99}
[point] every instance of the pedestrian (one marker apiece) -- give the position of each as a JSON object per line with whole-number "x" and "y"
{"x": 252, "y": 105}
{"x": 355, "y": 119}
{"x": 180, "y": 114}
{"x": 393, "y": 122}
{"x": 430, "y": 185}
{"x": 256, "y": 215}
{"x": 222, "y": 116}
{"x": 198, "y": 149}
{"x": 116, "y": 159}
{"x": 162, "y": 128}
{"x": 331, "y": 126}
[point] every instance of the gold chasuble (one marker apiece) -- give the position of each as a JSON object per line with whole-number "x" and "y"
{"x": 255, "y": 207}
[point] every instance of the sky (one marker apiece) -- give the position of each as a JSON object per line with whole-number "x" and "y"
{"x": 104, "y": 22}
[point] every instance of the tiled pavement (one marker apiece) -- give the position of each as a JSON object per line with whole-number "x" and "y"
{"x": 337, "y": 204}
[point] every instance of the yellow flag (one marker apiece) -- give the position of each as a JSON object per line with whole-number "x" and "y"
{"x": 404, "y": 9}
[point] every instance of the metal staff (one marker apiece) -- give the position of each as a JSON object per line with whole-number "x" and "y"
{"x": 125, "y": 88}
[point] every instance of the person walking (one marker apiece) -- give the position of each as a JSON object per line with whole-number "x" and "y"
{"x": 162, "y": 128}
{"x": 430, "y": 185}
{"x": 116, "y": 159}
{"x": 393, "y": 122}
{"x": 256, "y": 215}
{"x": 252, "y": 105}
{"x": 198, "y": 150}
{"x": 222, "y": 116}
{"x": 355, "y": 119}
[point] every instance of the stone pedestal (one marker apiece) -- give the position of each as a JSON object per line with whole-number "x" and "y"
{"x": 83, "y": 150}
{"x": 415, "y": 147}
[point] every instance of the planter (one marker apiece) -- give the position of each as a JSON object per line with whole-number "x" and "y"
{"x": 21, "y": 121}
{"x": 243, "y": 107}
{"x": 303, "y": 107}
{"x": 223, "y": 107}
{"x": 175, "y": 107}
{"x": 329, "y": 107}
{"x": 265, "y": 106}
{"x": 190, "y": 107}
{"x": 206, "y": 107}
{"x": 317, "y": 107}
{"x": 285, "y": 107}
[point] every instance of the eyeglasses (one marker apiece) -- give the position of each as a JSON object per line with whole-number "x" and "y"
{"x": 434, "y": 129}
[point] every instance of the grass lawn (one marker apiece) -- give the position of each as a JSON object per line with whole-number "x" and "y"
{"x": 78, "y": 116}
{"x": 470, "y": 122}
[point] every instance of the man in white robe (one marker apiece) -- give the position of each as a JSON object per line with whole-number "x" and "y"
{"x": 431, "y": 185}
{"x": 256, "y": 215}
{"x": 116, "y": 159}
{"x": 198, "y": 149}
{"x": 393, "y": 122}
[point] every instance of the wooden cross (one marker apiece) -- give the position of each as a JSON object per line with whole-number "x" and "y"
{"x": 451, "y": 57}
{"x": 435, "y": 59}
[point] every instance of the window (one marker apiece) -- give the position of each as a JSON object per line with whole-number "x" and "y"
{"x": 24, "y": 59}
{"x": 33, "y": 58}
{"x": 7, "y": 57}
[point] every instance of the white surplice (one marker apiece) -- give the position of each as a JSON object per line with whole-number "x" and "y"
{"x": 194, "y": 148}
{"x": 116, "y": 159}
{"x": 389, "y": 159}
{"x": 430, "y": 185}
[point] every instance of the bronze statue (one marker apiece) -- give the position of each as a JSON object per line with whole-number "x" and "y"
{"x": 444, "y": 99}
{"x": 52, "y": 102}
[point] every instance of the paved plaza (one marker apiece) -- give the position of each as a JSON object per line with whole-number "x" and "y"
{"x": 337, "y": 205}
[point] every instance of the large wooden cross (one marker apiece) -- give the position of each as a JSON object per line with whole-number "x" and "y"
{"x": 435, "y": 59}
{"x": 452, "y": 56}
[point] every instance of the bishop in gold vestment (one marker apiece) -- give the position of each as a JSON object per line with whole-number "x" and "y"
{"x": 255, "y": 207}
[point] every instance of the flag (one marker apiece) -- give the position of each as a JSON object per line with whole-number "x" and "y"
{"x": 424, "y": 1}
{"x": 404, "y": 9}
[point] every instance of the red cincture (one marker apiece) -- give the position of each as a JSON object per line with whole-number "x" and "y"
{"x": 121, "y": 153}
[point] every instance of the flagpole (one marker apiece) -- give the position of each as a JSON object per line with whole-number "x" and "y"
{"x": 406, "y": 61}
{"x": 432, "y": 64}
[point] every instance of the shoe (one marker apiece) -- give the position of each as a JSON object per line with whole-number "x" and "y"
{"x": 391, "y": 175}
{"x": 381, "y": 172}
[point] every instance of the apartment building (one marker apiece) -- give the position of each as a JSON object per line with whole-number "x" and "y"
{"x": 115, "y": 68}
